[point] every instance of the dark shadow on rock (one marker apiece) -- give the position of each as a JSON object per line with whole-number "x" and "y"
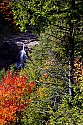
{"x": 8, "y": 54}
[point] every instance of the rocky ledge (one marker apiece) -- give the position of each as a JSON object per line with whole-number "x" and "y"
{"x": 12, "y": 44}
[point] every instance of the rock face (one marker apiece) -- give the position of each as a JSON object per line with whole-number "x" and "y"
{"x": 11, "y": 46}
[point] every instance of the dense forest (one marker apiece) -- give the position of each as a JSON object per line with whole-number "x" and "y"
{"x": 49, "y": 89}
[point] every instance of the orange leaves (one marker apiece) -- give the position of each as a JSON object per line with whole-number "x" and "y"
{"x": 30, "y": 87}
{"x": 6, "y": 10}
{"x": 13, "y": 92}
{"x": 7, "y": 114}
{"x": 78, "y": 70}
{"x": 7, "y": 16}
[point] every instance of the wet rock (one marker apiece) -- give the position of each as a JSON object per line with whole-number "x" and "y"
{"x": 11, "y": 46}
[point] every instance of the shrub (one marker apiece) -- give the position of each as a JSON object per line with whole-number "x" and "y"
{"x": 14, "y": 96}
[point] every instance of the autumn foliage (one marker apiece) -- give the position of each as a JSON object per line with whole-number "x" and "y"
{"x": 6, "y": 17}
{"x": 14, "y": 91}
{"x": 78, "y": 75}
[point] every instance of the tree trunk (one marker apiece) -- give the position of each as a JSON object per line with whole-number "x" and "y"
{"x": 71, "y": 50}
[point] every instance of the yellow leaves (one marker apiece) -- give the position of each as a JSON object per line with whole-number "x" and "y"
{"x": 21, "y": 73}
{"x": 41, "y": 92}
{"x": 48, "y": 63}
{"x": 78, "y": 75}
{"x": 45, "y": 78}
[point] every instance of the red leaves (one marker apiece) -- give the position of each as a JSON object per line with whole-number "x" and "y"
{"x": 13, "y": 93}
{"x": 22, "y": 106}
{"x": 30, "y": 87}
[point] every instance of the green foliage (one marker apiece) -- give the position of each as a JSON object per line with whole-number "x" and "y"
{"x": 2, "y": 72}
{"x": 37, "y": 111}
{"x": 65, "y": 16}
{"x": 70, "y": 111}
{"x": 45, "y": 68}
{"x": 41, "y": 110}
{"x": 57, "y": 22}
{"x": 48, "y": 61}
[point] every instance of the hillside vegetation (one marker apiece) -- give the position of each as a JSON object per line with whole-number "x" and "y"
{"x": 49, "y": 90}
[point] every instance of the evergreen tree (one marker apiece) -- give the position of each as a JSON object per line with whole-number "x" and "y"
{"x": 65, "y": 16}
